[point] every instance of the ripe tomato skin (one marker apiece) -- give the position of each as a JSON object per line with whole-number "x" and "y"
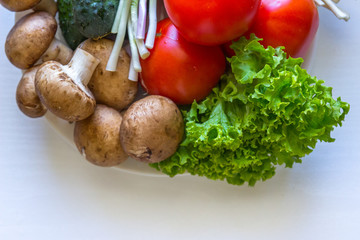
{"x": 212, "y": 22}
{"x": 289, "y": 23}
{"x": 178, "y": 69}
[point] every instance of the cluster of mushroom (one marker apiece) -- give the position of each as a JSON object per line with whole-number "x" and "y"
{"x": 110, "y": 125}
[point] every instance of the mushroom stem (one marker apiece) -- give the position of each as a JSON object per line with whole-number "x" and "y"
{"x": 82, "y": 66}
{"x": 49, "y": 6}
{"x": 57, "y": 51}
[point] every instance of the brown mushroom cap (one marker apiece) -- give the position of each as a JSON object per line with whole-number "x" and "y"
{"x": 113, "y": 89}
{"x": 29, "y": 39}
{"x": 26, "y": 97}
{"x": 19, "y": 5}
{"x": 152, "y": 129}
{"x": 61, "y": 95}
{"x": 97, "y": 137}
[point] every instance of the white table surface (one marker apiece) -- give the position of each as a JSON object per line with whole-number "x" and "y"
{"x": 48, "y": 191}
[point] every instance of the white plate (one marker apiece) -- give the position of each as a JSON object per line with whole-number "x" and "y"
{"x": 65, "y": 129}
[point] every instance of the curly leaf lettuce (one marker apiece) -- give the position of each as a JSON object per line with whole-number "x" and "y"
{"x": 266, "y": 111}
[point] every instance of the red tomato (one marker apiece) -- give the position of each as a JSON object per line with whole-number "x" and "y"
{"x": 212, "y": 22}
{"x": 178, "y": 69}
{"x": 289, "y": 23}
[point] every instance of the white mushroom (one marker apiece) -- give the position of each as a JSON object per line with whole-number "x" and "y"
{"x": 63, "y": 88}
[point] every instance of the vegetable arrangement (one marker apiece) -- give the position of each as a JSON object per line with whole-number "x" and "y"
{"x": 233, "y": 119}
{"x": 264, "y": 113}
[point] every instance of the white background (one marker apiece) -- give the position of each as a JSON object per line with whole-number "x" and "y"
{"x": 48, "y": 191}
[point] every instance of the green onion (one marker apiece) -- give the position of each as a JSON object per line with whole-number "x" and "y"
{"x": 114, "y": 56}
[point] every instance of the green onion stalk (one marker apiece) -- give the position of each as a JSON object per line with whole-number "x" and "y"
{"x": 124, "y": 16}
{"x": 131, "y": 18}
{"x": 152, "y": 24}
{"x": 331, "y": 5}
{"x": 134, "y": 23}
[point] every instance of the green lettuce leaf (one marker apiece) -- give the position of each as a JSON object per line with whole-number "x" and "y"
{"x": 266, "y": 111}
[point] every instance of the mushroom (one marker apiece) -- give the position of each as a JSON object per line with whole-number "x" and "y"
{"x": 37, "y": 5}
{"x": 32, "y": 38}
{"x": 97, "y": 137}
{"x": 63, "y": 88}
{"x": 26, "y": 97}
{"x": 113, "y": 89}
{"x": 152, "y": 129}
